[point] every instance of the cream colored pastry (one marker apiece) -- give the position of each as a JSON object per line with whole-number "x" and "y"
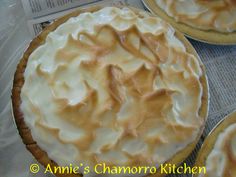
{"x": 112, "y": 87}
{"x": 221, "y": 160}
{"x": 217, "y": 15}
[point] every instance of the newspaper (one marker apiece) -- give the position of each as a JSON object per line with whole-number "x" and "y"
{"x": 38, "y": 8}
{"x": 41, "y": 13}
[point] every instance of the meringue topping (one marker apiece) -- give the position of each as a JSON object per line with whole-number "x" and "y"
{"x": 112, "y": 86}
{"x": 221, "y": 160}
{"x": 217, "y": 15}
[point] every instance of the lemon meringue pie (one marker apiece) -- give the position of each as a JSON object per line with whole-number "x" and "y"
{"x": 212, "y": 21}
{"x": 113, "y": 85}
{"x": 218, "y": 152}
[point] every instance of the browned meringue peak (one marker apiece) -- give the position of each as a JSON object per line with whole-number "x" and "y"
{"x": 217, "y": 15}
{"x": 120, "y": 96}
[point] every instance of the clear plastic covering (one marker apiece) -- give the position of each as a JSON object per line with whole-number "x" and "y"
{"x": 14, "y": 38}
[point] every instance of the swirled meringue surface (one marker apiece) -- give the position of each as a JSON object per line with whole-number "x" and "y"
{"x": 221, "y": 160}
{"x": 114, "y": 87}
{"x": 217, "y": 15}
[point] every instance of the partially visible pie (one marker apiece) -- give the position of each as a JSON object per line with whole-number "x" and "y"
{"x": 218, "y": 153}
{"x": 213, "y": 21}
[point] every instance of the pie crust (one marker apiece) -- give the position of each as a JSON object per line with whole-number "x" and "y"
{"x": 18, "y": 82}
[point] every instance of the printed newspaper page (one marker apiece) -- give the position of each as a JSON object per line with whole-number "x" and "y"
{"x": 39, "y": 8}
{"x": 42, "y": 12}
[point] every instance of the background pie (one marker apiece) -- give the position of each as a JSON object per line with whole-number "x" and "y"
{"x": 212, "y": 21}
{"x": 218, "y": 152}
